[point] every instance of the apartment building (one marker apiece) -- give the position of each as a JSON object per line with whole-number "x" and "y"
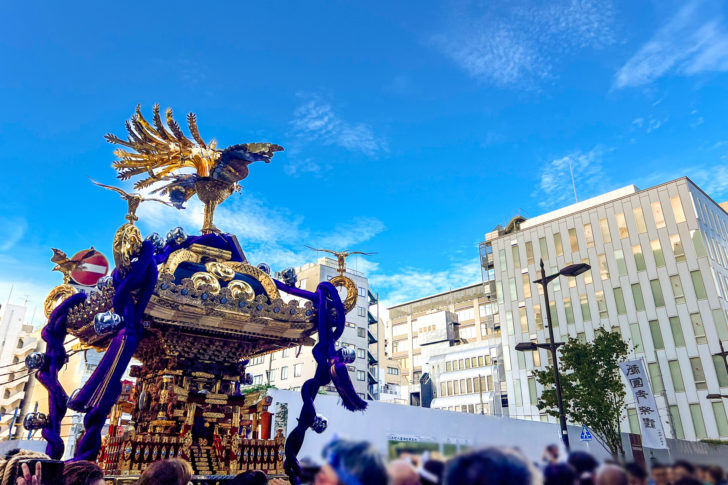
{"x": 422, "y": 329}
{"x": 290, "y": 368}
{"x": 659, "y": 276}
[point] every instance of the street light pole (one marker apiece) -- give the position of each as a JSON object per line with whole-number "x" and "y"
{"x": 544, "y": 281}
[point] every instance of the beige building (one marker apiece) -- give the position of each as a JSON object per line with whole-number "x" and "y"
{"x": 290, "y": 368}
{"x": 426, "y": 327}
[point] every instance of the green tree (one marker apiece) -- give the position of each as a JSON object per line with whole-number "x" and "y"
{"x": 591, "y": 386}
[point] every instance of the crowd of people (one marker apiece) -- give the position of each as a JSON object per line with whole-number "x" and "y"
{"x": 359, "y": 463}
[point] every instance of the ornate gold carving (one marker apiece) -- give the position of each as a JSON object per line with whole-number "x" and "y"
{"x": 56, "y": 297}
{"x": 178, "y": 257}
{"x": 66, "y": 265}
{"x": 220, "y": 271}
{"x": 201, "y": 279}
{"x": 132, "y": 200}
{"x": 268, "y": 284}
{"x": 127, "y": 244}
{"x": 211, "y": 252}
{"x": 241, "y": 289}
{"x": 351, "y": 293}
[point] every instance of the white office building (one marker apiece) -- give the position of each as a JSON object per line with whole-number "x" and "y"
{"x": 659, "y": 276}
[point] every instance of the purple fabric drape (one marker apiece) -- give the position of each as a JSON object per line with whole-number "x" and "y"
{"x": 54, "y": 333}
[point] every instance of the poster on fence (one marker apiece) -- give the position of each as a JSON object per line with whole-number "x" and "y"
{"x": 653, "y": 436}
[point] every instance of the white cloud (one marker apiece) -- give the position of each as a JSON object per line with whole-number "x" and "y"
{"x": 693, "y": 41}
{"x": 555, "y": 186}
{"x": 509, "y": 42}
{"x": 14, "y": 229}
{"x": 316, "y": 121}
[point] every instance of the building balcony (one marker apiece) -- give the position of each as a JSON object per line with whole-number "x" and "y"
{"x": 372, "y": 338}
{"x": 14, "y": 399}
{"x": 372, "y": 359}
{"x": 371, "y": 318}
{"x": 372, "y": 297}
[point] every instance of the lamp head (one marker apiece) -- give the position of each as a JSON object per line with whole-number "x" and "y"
{"x": 574, "y": 269}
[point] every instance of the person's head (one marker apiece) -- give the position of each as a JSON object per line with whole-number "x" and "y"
{"x": 636, "y": 475}
{"x": 660, "y": 474}
{"x": 683, "y": 469}
{"x": 687, "y": 481}
{"x": 401, "y": 472}
{"x": 490, "y": 466}
{"x": 250, "y": 478}
{"x": 584, "y": 464}
{"x": 351, "y": 463}
{"x": 551, "y": 453}
{"x": 167, "y": 472}
{"x": 559, "y": 474}
{"x": 431, "y": 472}
{"x": 611, "y": 475}
{"x": 83, "y": 472}
{"x": 715, "y": 474}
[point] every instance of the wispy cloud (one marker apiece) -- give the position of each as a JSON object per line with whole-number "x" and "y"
{"x": 14, "y": 230}
{"x": 555, "y": 187}
{"x": 316, "y": 121}
{"x": 693, "y": 41}
{"x": 516, "y": 42}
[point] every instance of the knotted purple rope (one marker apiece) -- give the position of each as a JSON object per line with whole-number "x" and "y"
{"x": 54, "y": 333}
{"x": 331, "y": 321}
{"x": 133, "y": 291}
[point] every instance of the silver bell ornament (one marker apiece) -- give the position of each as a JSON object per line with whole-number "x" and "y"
{"x": 35, "y": 360}
{"x": 156, "y": 240}
{"x": 105, "y": 282}
{"x": 289, "y": 276}
{"x": 264, "y": 268}
{"x": 177, "y": 235}
{"x": 248, "y": 379}
{"x": 319, "y": 424}
{"x": 33, "y": 421}
{"x": 106, "y": 322}
{"x": 347, "y": 355}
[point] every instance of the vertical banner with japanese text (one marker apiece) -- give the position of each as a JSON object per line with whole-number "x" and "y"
{"x": 653, "y": 436}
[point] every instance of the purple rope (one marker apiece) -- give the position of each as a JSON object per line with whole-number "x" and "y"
{"x": 54, "y": 333}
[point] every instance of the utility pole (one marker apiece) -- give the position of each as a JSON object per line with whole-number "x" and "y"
{"x": 480, "y": 386}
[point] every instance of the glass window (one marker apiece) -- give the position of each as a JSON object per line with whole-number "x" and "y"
{"x": 639, "y": 301}
{"x": 677, "y": 289}
{"x": 677, "y": 380}
{"x": 284, "y": 372}
{"x": 516, "y": 256}
{"x": 639, "y": 220}
{"x": 720, "y": 324}
{"x": 557, "y": 244}
{"x": 619, "y": 300}
{"x": 532, "y": 390}
{"x": 698, "y": 328}
{"x": 581, "y": 337}
{"x": 502, "y": 258}
{"x": 297, "y": 368}
{"x": 601, "y": 303}
{"x": 634, "y": 330}
{"x": 698, "y": 284}
{"x": 557, "y": 281}
{"x": 573, "y": 241}
{"x": 585, "y": 312}
{"x": 697, "y": 416}
{"x": 543, "y": 247}
{"x": 524, "y": 319}
{"x": 720, "y": 418}
{"x": 604, "y": 227}
{"x": 677, "y": 422}
{"x": 517, "y": 396}
{"x": 509, "y": 323}
{"x": 457, "y": 387}
{"x": 450, "y": 389}
{"x": 720, "y": 370}
{"x": 656, "y": 335}
{"x": 603, "y": 266}
{"x": 622, "y": 226}
{"x": 512, "y": 287}
{"x": 657, "y": 293}
{"x": 481, "y": 361}
{"x": 589, "y": 235}
{"x": 499, "y": 291}
{"x": 677, "y": 333}
{"x": 658, "y": 215}
{"x": 443, "y": 389}
{"x": 657, "y": 253}
{"x": 677, "y": 209}
{"x": 538, "y": 317}
{"x": 697, "y": 238}
{"x": 285, "y": 352}
{"x": 655, "y": 377}
{"x": 569, "y": 311}
{"x": 698, "y": 373}
{"x": 526, "y": 285}
{"x": 587, "y": 275}
{"x": 677, "y": 248}
{"x": 476, "y": 385}
{"x": 554, "y": 314}
{"x": 621, "y": 265}
{"x": 634, "y": 421}
{"x": 639, "y": 258}
{"x": 467, "y": 363}
{"x": 529, "y": 252}
{"x": 448, "y": 367}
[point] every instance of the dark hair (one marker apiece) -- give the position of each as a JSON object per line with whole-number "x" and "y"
{"x": 11, "y": 453}
{"x": 684, "y": 464}
{"x": 436, "y": 468}
{"x": 489, "y": 466}
{"x": 687, "y": 481}
{"x": 582, "y": 462}
{"x": 250, "y": 478}
{"x": 558, "y": 474}
{"x": 82, "y": 472}
{"x": 635, "y": 470}
{"x": 358, "y": 459}
{"x": 167, "y": 472}
{"x": 657, "y": 464}
{"x": 716, "y": 473}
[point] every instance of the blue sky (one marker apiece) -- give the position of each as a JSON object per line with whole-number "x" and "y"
{"x": 410, "y": 128}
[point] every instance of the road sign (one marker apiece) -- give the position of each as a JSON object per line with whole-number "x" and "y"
{"x": 585, "y": 434}
{"x": 93, "y": 268}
